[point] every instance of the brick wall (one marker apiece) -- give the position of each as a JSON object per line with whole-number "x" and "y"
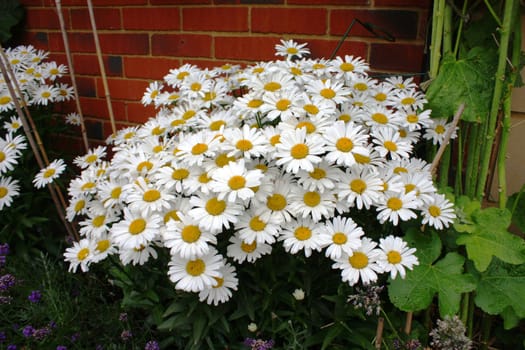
{"x": 142, "y": 39}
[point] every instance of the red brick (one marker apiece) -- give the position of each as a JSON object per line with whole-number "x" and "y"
{"x": 78, "y": 42}
{"x": 86, "y": 86}
{"x": 98, "y": 108}
{"x": 411, "y": 3}
{"x": 263, "y": 2}
{"x": 396, "y": 57}
{"x": 325, "y": 48}
{"x": 87, "y": 64}
{"x": 138, "y": 113}
{"x": 119, "y": 2}
{"x": 181, "y": 45}
{"x": 27, "y": 3}
{"x": 245, "y": 48}
{"x": 123, "y": 89}
{"x": 40, "y": 40}
{"x": 329, "y": 2}
{"x": 220, "y": 19}
{"x": 148, "y": 67}
{"x": 127, "y": 43}
{"x": 158, "y": 18}
{"x": 105, "y": 18}
{"x": 400, "y": 24}
{"x": 180, "y": 2}
{"x": 42, "y": 18}
{"x": 289, "y": 20}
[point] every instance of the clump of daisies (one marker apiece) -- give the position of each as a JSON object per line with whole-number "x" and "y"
{"x": 286, "y": 152}
{"x": 38, "y": 80}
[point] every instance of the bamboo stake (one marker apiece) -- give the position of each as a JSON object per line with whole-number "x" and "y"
{"x": 53, "y": 189}
{"x": 445, "y": 142}
{"x": 72, "y": 73}
{"x": 102, "y": 69}
{"x": 408, "y": 322}
{"x": 379, "y": 332}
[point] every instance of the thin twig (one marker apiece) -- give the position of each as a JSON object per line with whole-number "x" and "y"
{"x": 379, "y": 332}
{"x": 408, "y": 322}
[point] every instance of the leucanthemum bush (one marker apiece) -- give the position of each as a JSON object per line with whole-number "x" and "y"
{"x": 39, "y": 82}
{"x": 240, "y": 160}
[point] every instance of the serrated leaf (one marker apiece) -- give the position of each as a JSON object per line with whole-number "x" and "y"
{"x": 516, "y": 204}
{"x": 468, "y": 80}
{"x": 490, "y": 237}
{"x": 500, "y": 287}
{"x": 444, "y": 278}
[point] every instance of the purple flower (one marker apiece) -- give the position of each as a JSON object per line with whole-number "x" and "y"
{"x": 99, "y": 347}
{"x": 28, "y": 331}
{"x": 152, "y": 345}
{"x": 35, "y": 296}
{"x": 5, "y": 299}
{"x": 41, "y": 333}
{"x": 3, "y": 259}
{"x": 7, "y": 281}
{"x": 126, "y": 335}
{"x": 61, "y": 347}
{"x": 3, "y": 337}
{"x": 75, "y": 337}
{"x": 4, "y": 249}
{"x": 259, "y": 344}
{"x": 11, "y": 347}
{"x": 123, "y": 317}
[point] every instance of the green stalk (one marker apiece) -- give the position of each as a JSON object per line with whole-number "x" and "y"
{"x": 437, "y": 36}
{"x": 444, "y": 168}
{"x": 493, "y": 13}
{"x": 460, "y": 27}
{"x": 458, "y": 183}
{"x": 486, "y": 325}
{"x": 506, "y": 122}
{"x": 447, "y": 29}
{"x": 505, "y": 31}
{"x": 472, "y": 159}
{"x": 464, "y": 308}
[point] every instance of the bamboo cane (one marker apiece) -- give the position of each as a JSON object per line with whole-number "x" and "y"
{"x": 102, "y": 69}
{"x": 53, "y": 189}
{"x": 72, "y": 73}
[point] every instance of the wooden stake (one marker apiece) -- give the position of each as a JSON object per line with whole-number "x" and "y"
{"x": 102, "y": 69}
{"x": 379, "y": 332}
{"x": 72, "y": 73}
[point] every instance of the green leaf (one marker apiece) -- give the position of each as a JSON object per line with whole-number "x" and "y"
{"x": 516, "y": 204}
{"x": 489, "y": 237}
{"x": 468, "y": 80}
{"x": 330, "y": 336}
{"x": 11, "y": 12}
{"x": 444, "y": 278}
{"x": 500, "y": 287}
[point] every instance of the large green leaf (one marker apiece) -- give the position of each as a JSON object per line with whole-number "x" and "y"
{"x": 468, "y": 80}
{"x": 11, "y": 12}
{"x": 516, "y": 204}
{"x": 501, "y": 290}
{"x": 488, "y": 237}
{"x": 444, "y": 278}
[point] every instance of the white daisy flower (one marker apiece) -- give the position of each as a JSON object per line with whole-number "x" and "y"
{"x": 77, "y": 206}
{"x": 397, "y": 256}
{"x": 348, "y": 112}
{"x": 439, "y": 212}
{"x": 343, "y": 140}
{"x": 399, "y": 83}
{"x": 276, "y": 206}
{"x": 222, "y": 291}
{"x": 110, "y": 193}
{"x": 49, "y": 173}
{"x": 381, "y": 116}
{"x": 241, "y": 251}
{"x": 80, "y": 254}
{"x": 389, "y": 143}
{"x": 92, "y": 157}
{"x": 360, "y": 187}
{"x": 65, "y": 92}
{"x": 199, "y": 180}
{"x": 73, "y": 119}
{"x": 186, "y": 239}
{"x": 235, "y": 181}
{"x": 291, "y": 49}
{"x": 176, "y": 76}
{"x": 283, "y": 105}
{"x": 44, "y": 94}
{"x": 198, "y": 274}
{"x": 98, "y": 221}
{"x": 414, "y": 120}
{"x": 9, "y": 189}
{"x": 324, "y": 177}
{"x": 398, "y": 207}
{"x": 362, "y": 265}
{"x": 298, "y": 150}
{"x": 83, "y": 184}
{"x": 194, "y": 148}
{"x": 341, "y": 235}
{"x": 407, "y": 99}
{"x": 152, "y": 93}
{"x": 313, "y": 204}
{"x": 347, "y": 67}
{"x": 301, "y": 234}
{"x": 147, "y": 197}
{"x": 6, "y": 102}
{"x": 135, "y": 229}
{"x": 13, "y": 125}
{"x": 252, "y": 227}
{"x": 437, "y": 131}
{"x": 270, "y": 82}
{"x": 212, "y": 213}
{"x": 104, "y": 247}
{"x": 247, "y": 142}
{"x": 8, "y": 158}
{"x": 137, "y": 255}
{"x": 331, "y": 91}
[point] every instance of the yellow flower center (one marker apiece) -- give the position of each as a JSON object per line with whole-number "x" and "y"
{"x": 434, "y": 210}
{"x": 318, "y": 66}
{"x": 145, "y": 165}
{"x": 394, "y": 203}
{"x": 299, "y": 151}
{"x": 310, "y": 127}
{"x": 409, "y": 188}
{"x": 115, "y": 193}
{"x": 272, "y": 86}
{"x": 79, "y": 205}
{"x": 177, "y": 122}
{"x": 311, "y": 109}
{"x": 391, "y": 146}
{"x": 190, "y": 233}
{"x": 220, "y": 282}
{"x": 358, "y": 260}
{"x": 154, "y": 94}
{"x": 283, "y": 104}
{"x": 276, "y": 202}
{"x": 248, "y": 248}
{"x": 302, "y": 233}
{"x": 393, "y": 257}
{"x": 379, "y": 118}
{"x": 196, "y": 86}
{"x": 318, "y": 174}
{"x": 204, "y": 178}
{"x": 345, "y": 117}
{"x": 129, "y": 135}
{"x": 256, "y": 224}
{"x": 440, "y": 129}
{"x": 311, "y": 199}
{"x": 137, "y": 226}
{"x": 346, "y": 67}
{"x": 223, "y": 159}
{"x": 399, "y": 170}
{"x": 49, "y": 173}
{"x": 83, "y": 254}
{"x": 189, "y": 114}
{"x": 171, "y": 215}
{"x": 199, "y": 148}
{"x": 275, "y": 139}
{"x": 180, "y": 174}
{"x": 380, "y": 96}
{"x": 408, "y": 101}
{"x": 87, "y": 186}
{"x": 46, "y": 94}
{"x": 255, "y": 103}
{"x": 296, "y": 71}
{"x": 151, "y": 195}
{"x": 339, "y": 238}
{"x": 344, "y": 144}
{"x": 358, "y": 186}
{"x": 210, "y": 96}
{"x": 91, "y": 158}
{"x": 98, "y": 220}
{"x": 3, "y": 192}
{"x": 412, "y": 118}
{"x": 244, "y": 145}
{"x": 215, "y": 206}
{"x": 195, "y": 267}
{"x": 236, "y": 182}
{"x": 327, "y": 93}
{"x": 292, "y": 50}
{"x": 182, "y": 75}
{"x": 216, "y": 125}
{"x": 361, "y": 87}
{"x": 103, "y": 245}
{"x": 5, "y": 100}
{"x": 361, "y": 159}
